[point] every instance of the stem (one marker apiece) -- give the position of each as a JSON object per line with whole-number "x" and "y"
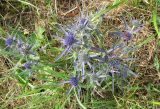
{"x": 79, "y": 102}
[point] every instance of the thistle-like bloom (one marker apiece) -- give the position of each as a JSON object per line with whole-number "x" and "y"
{"x": 68, "y": 42}
{"x": 73, "y": 82}
{"x": 9, "y": 41}
{"x": 69, "y": 39}
{"x": 127, "y": 33}
{"x": 113, "y": 66}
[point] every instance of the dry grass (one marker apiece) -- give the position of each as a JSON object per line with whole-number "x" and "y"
{"x": 9, "y": 87}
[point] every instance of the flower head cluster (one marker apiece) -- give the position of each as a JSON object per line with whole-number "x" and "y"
{"x": 94, "y": 64}
{"x": 22, "y": 49}
{"x": 16, "y": 44}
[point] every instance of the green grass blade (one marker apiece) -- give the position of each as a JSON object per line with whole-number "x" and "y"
{"x": 79, "y": 102}
{"x": 156, "y": 103}
{"x": 29, "y": 4}
{"x": 155, "y": 22}
{"x": 115, "y": 5}
{"x": 149, "y": 39}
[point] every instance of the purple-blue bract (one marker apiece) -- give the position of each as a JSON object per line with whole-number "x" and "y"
{"x": 83, "y": 22}
{"x": 28, "y": 65}
{"x": 84, "y": 19}
{"x": 19, "y": 43}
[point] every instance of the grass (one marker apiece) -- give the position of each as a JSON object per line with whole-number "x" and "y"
{"x": 36, "y": 22}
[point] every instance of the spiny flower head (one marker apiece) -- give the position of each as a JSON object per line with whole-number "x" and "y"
{"x": 121, "y": 68}
{"x": 69, "y": 39}
{"x": 127, "y": 33}
{"x": 74, "y": 81}
{"x": 9, "y": 41}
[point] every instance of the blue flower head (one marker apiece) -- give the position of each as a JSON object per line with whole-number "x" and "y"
{"x": 73, "y": 81}
{"x": 127, "y": 33}
{"x": 69, "y": 39}
{"x": 9, "y": 41}
{"x": 121, "y": 68}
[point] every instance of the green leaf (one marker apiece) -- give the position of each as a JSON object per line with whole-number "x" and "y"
{"x": 39, "y": 38}
{"x": 39, "y": 33}
{"x": 79, "y": 102}
{"x": 23, "y": 81}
